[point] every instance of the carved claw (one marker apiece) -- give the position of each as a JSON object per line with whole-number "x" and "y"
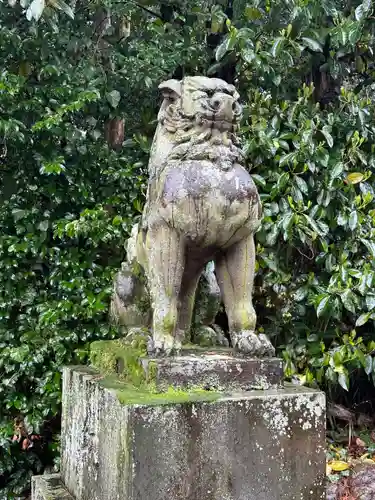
{"x": 166, "y": 346}
{"x": 247, "y": 342}
{"x": 268, "y": 348}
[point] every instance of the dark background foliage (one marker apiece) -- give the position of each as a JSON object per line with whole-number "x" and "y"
{"x": 78, "y": 103}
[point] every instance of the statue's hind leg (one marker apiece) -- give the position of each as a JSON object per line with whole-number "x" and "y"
{"x": 188, "y": 291}
{"x": 165, "y": 256}
{"x": 235, "y": 269}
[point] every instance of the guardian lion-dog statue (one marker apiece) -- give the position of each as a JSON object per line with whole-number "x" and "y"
{"x": 202, "y": 205}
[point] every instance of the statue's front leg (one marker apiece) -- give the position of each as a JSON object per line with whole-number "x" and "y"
{"x": 165, "y": 255}
{"x": 235, "y": 269}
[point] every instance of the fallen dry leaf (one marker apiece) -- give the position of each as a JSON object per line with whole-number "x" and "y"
{"x": 339, "y": 465}
{"x": 356, "y": 447}
{"x": 359, "y": 442}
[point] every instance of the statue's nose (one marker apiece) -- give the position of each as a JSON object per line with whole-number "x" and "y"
{"x": 224, "y": 105}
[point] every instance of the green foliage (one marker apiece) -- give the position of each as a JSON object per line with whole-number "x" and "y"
{"x": 311, "y": 147}
{"x": 67, "y": 199}
{"x": 316, "y": 252}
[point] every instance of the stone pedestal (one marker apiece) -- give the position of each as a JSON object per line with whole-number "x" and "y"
{"x": 121, "y": 443}
{"x": 215, "y": 369}
{"x": 49, "y": 487}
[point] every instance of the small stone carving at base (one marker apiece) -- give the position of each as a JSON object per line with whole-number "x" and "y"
{"x": 202, "y": 209}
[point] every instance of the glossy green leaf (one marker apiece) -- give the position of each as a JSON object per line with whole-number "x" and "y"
{"x": 327, "y": 134}
{"x": 343, "y": 380}
{"x": 353, "y": 220}
{"x": 370, "y": 301}
{"x": 35, "y": 10}
{"x": 363, "y": 10}
{"x": 313, "y": 45}
{"x": 322, "y": 306}
{"x": 114, "y": 98}
{"x": 370, "y": 245}
{"x": 363, "y": 318}
{"x": 337, "y": 170}
{"x": 221, "y": 50}
{"x": 368, "y": 364}
{"x": 288, "y": 158}
{"x": 43, "y": 225}
{"x": 300, "y": 294}
{"x": 277, "y": 46}
{"x": 348, "y": 299}
{"x": 253, "y": 13}
{"x": 302, "y": 185}
{"x": 63, "y": 6}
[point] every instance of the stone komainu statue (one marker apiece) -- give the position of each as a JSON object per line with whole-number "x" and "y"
{"x": 201, "y": 206}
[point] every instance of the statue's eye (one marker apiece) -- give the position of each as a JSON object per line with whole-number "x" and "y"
{"x": 199, "y": 94}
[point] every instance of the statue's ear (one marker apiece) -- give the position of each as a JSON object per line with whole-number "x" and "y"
{"x": 171, "y": 88}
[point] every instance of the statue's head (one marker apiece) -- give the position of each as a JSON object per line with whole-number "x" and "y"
{"x": 205, "y": 101}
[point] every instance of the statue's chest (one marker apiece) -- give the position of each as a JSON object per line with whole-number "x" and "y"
{"x": 203, "y": 180}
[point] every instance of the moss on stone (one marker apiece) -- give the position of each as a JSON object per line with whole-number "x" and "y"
{"x": 120, "y": 357}
{"x": 138, "y": 271}
{"x": 189, "y": 348}
{"x": 205, "y": 336}
{"x": 120, "y": 363}
{"x": 152, "y": 371}
{"x": 143, "y": 304}
{"x": 147, "y": 395}
{"x": 169, "y": 322}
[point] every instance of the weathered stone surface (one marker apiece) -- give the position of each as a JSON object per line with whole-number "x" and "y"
{"x": 255, "y": 445}
{"x": 201, "y": 206}
{"x": 49, "y": 487}
{"x": 218, "y": 369}
{"x": 131, "y": 308}
{"x": 214, "y": 369}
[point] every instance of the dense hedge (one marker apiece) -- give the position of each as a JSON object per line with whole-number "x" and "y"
{"x": 75, "y": 86}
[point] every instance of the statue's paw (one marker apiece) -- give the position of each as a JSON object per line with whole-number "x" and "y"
{"x": 247, "y": 342}
{"x": 268, "y": 349}
{"x": 163, "y": 346}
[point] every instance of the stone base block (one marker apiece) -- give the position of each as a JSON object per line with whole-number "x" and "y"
{"x": 49, "y": 487}
{"x": 217, "y": 369}
{"x": 255, "y": 445}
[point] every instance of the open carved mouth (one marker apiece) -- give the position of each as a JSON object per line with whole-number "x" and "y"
{"x": 216, "y": 121}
